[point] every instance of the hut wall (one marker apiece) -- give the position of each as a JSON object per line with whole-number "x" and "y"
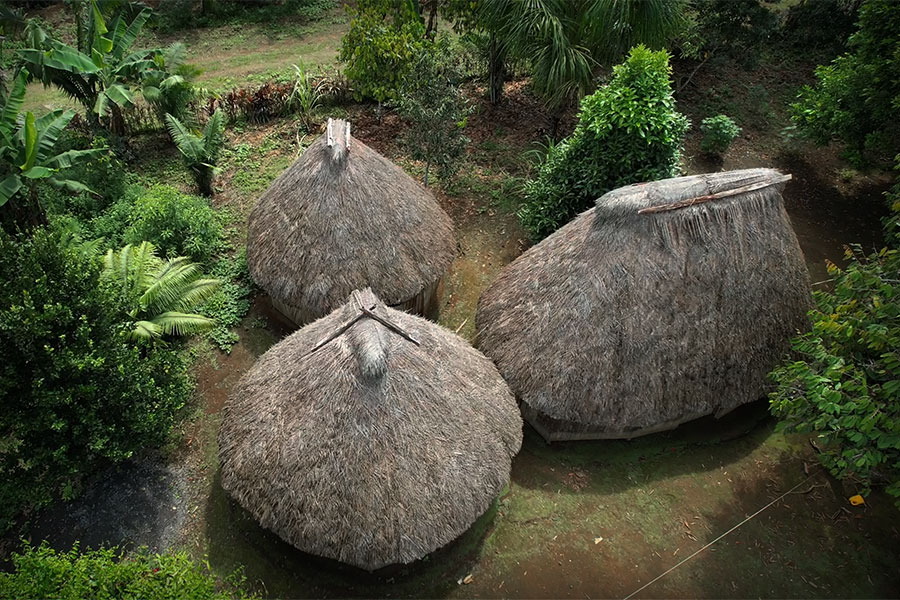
{"x": 426, "y": 303}
{"x": 556, "y": 430}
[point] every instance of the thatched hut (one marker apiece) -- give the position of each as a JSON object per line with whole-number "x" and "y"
{"x": 370, "y": 436}
{"x": 343, "y": 217}
{"x": 665, "y": 302}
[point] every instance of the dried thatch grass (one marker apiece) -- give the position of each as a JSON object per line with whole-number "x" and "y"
{"x": 343, "y": 218}
{"x": 370, "y": 448}
{"x": 621, "y": 324}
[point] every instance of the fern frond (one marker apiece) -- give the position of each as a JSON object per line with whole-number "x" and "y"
{"x": 178, "y": 323}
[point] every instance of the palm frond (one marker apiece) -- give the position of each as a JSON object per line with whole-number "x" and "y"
{"x": 178, "y": 323}
{"x": 214, "y": 136}
{"x": 197, "y": 292}
{"x": 188, "y": 144}
{"x": 145, "y": 331}
{"x": 169, "y": 282}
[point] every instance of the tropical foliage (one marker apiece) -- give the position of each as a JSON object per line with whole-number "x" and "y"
{"x": 385, "y": 39}
{"x": 200, "y": 150}
{"x": 627, "y": 131}
{"x": 104, "y": 75}
{"x": 158, "y": 294}
{"x": 73, "y": 393}
{"x": 844, "y": 383}
{"x": 857, "y": 96}
{"x": 27, "y": 156}
{"x": 107, "y": 573}
{"x": 564, "y": 41}
{"x": 432, "y": 101}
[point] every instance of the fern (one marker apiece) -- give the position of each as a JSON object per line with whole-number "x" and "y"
{"x": 159, "y": 294}
{"x": 200, "y": 150}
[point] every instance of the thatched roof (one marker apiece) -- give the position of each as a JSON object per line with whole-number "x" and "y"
{"x": 371, "y": 445}
{"x": 639, "y": 315}
{"x": 341, "y": 218}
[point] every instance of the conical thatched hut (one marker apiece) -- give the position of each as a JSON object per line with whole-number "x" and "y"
{"x": 665, "y": 302}
{"x": 370, "y": 436}
{"x": 341, "y": 218}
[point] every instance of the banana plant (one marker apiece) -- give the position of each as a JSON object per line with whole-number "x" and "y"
{"x": 27, "y": 154}
{"x": 158, "y": 294}
{"x": 103, "y": 80}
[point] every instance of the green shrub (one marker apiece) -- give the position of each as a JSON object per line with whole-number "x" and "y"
{"x": 718, "y": 133}
{"x": 380, "y": 48}
{"x": 104, "y": 175}
{"x": 107, "y": 574}
{"x": 627, "y": 131}
{"x": 177, "y": 224}
{"x": 857, "y": 97}
{"x": 844, "y": 384}
{"x": 73, "y": 393}
{"x": 232, "y": 300}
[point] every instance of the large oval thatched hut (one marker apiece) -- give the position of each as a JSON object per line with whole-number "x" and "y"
{"x": 343, "y": 217}
{"x": 665, "y": 302}
{"x": 370, "y": 436}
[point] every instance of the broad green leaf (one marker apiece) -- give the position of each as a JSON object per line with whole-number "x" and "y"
{"x": 14, "y": 102}
{"x": 38, "y": 173}
{"x": 8, "y": 187}
{"x": 119, "y": 94}
{"x": 31, "y": 145}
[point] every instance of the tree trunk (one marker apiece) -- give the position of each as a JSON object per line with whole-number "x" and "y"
{"x": 116, "y": 120}
{"x": 431, "y": 28}
{"x": 495, "y": 70}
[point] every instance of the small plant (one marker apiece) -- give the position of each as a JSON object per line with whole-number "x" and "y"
{"x": 718, "y": 133}
{"x": 200, "y": 150}
{"x": 158, "y": 293}
{"x": 306, "y": 97}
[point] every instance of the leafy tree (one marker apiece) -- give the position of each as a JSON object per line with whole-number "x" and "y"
{"x": 627, "y": 131}
{"x": 73, "y": 393}
{"x": 41, "y": 572}
{"x": 27, "y": 156}
{"x": 385, "y": 39}
{"x": 200, "y": 151}
{"x": 432, "y": 101}
{"x": 170, "y": 88}
{"x": 857, "y": 97}
{"x": 156, "y": 294}
{"x": 103, "y": 79}
{"x": 844, "y": 383}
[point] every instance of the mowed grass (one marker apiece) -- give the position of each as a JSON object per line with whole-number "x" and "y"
{"x": 233, "y": 56}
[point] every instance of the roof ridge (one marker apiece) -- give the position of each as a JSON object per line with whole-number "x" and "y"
{"x": 365, "y": 312}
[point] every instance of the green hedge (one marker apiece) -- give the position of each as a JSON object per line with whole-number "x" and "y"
{"x": 106, "y": 574}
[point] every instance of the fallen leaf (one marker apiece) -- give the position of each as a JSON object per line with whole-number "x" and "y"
{"x": 597, "y": 540}
{"x": 467, "y": 579}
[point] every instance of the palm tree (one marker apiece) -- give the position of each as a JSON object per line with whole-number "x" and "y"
{"x": 565, "y": 40}
{"x": 27, "y": 155}
{"x": 200, "y": 150}
{"x": 158, "y": 294}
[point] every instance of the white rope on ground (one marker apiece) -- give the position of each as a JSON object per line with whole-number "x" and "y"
{"x": 669, "y": 570}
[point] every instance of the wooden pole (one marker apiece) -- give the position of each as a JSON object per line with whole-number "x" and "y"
{"x": 711, "y": 197}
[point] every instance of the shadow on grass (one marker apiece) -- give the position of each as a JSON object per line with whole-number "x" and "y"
{"x": 277, "y": 569}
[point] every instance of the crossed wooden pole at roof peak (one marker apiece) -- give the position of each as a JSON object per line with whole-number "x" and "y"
{"x": 365, "y": 311}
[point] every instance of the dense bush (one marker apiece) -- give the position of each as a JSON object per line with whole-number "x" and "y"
{"x": 232, "y": 300}
{"x": 844, "y": 384}
{"x": 73, "y": 393}
{"x": 627, "y": 131}
{"x": 718, "y": 133}
{"x": 108, "y": 574}
{"x": 857, "y": 97}
{"x": 738, "y": 29}
{"x": 177, "y": 224}
{"x": 176, "y": 15}
{"x": 105, "y": 176}
{"x": 379, "y": 50}
{"x": 822, "y": 25}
